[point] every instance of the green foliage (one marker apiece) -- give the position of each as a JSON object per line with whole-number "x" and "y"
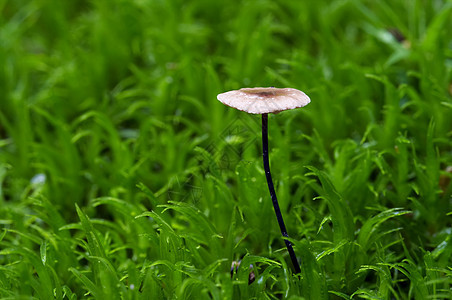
{"x": 122, "y": 177}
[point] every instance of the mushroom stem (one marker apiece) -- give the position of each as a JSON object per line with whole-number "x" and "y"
{"x": 282, "y": 226}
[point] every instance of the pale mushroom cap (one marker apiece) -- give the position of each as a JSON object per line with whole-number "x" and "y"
{"x": 264, "y": 100}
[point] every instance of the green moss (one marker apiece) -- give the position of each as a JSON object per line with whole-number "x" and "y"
{"x": 122, "y": 176}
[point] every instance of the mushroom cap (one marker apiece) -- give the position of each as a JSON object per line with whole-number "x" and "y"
{"x": 261, "y": 100}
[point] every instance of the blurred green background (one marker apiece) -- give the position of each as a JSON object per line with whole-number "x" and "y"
{"x": 122, "y": 176}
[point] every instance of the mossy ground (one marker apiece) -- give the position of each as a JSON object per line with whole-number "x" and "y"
{"x": 122, "y": 176}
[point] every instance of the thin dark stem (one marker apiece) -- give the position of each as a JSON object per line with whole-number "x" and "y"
{"x": 273, "y": 193}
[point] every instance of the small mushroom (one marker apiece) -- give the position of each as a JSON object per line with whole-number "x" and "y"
{"x": 264, "y": 101}
{"x": 235, "y": 267}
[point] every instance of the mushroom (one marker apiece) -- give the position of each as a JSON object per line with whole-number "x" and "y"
{"x": 264, "y": 101}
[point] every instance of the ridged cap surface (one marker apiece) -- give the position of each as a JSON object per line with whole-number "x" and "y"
{"x": 261, "y": 100}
